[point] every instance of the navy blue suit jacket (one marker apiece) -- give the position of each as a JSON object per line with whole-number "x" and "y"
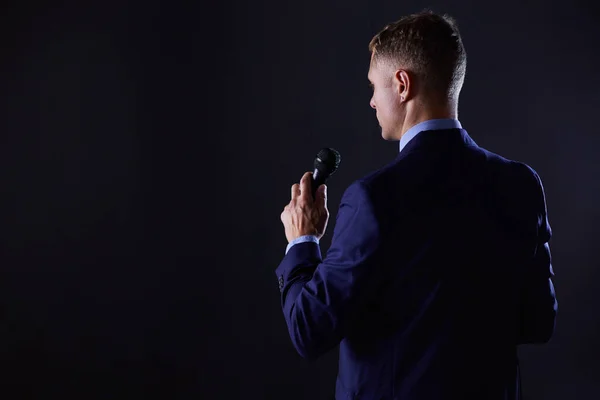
{"x": 439, "y": 266}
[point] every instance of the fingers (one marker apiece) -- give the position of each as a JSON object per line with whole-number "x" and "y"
{"x": 321, "y": 196}
{"x": 305, "y": 184}
{"x": 295, "y": 191}
{"x": 284, "y": 214}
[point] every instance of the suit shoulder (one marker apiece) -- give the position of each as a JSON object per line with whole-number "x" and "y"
{"x": 494, "y": 158}
{"x": 364, "y": 187}
{"x": 527, "y": 173}
{"x": 522, "y": 177}
{"x": 373, "y": 176}
{"x": 517, "y": 169}
{"x": 370, "y": 181}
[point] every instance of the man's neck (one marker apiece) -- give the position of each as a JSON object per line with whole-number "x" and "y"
{"x": 420, "y": 113}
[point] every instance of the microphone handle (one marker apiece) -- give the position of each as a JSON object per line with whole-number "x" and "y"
{"x": 317, "y": 180}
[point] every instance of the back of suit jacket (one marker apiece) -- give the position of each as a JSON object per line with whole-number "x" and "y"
{"x": 459, "y": 276}
{"x": 462, "y": 228}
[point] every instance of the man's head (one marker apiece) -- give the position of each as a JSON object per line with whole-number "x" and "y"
{"x": 417, "y": 70}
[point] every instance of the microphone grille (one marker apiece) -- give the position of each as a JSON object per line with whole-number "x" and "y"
{"x": 328, "y": 160}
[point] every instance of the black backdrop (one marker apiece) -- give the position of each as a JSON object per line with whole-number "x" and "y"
{"x": 147, "y": 150}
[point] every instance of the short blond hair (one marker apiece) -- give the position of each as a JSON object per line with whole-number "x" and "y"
{"x": 429, "y": 45}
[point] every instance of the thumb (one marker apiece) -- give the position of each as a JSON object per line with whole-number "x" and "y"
{"x": 321, "y": 197}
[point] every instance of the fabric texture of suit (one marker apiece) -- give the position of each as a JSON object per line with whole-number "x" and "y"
{"x": 439, "y": 267}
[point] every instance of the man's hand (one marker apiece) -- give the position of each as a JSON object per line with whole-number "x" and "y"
{"x": 303, "y": 216}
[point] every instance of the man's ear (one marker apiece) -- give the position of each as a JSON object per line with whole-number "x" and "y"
{"x": 403, "y": 84}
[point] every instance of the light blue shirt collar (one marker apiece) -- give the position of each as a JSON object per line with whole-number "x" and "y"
{"x": 432, "y": 124}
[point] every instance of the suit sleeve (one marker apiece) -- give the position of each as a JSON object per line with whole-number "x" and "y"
{"x": 539, "y": 305}
{"x": 318, "y": 296}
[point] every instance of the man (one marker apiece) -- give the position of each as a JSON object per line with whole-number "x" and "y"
{"x": 439, "y": 264}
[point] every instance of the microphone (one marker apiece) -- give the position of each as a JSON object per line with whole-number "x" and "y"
{"x": 326, "y": 163}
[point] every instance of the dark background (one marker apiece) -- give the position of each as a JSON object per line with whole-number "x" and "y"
{"x": 147, "y": 150}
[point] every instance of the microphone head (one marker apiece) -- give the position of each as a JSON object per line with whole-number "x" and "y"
{"x": 327, "y": 161}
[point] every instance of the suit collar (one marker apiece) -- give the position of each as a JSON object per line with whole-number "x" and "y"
{"x": 428, "y": 125}
{"x": 437, "y": 138}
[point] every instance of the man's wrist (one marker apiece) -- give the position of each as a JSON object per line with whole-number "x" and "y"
{"x": 302, "y": 239}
